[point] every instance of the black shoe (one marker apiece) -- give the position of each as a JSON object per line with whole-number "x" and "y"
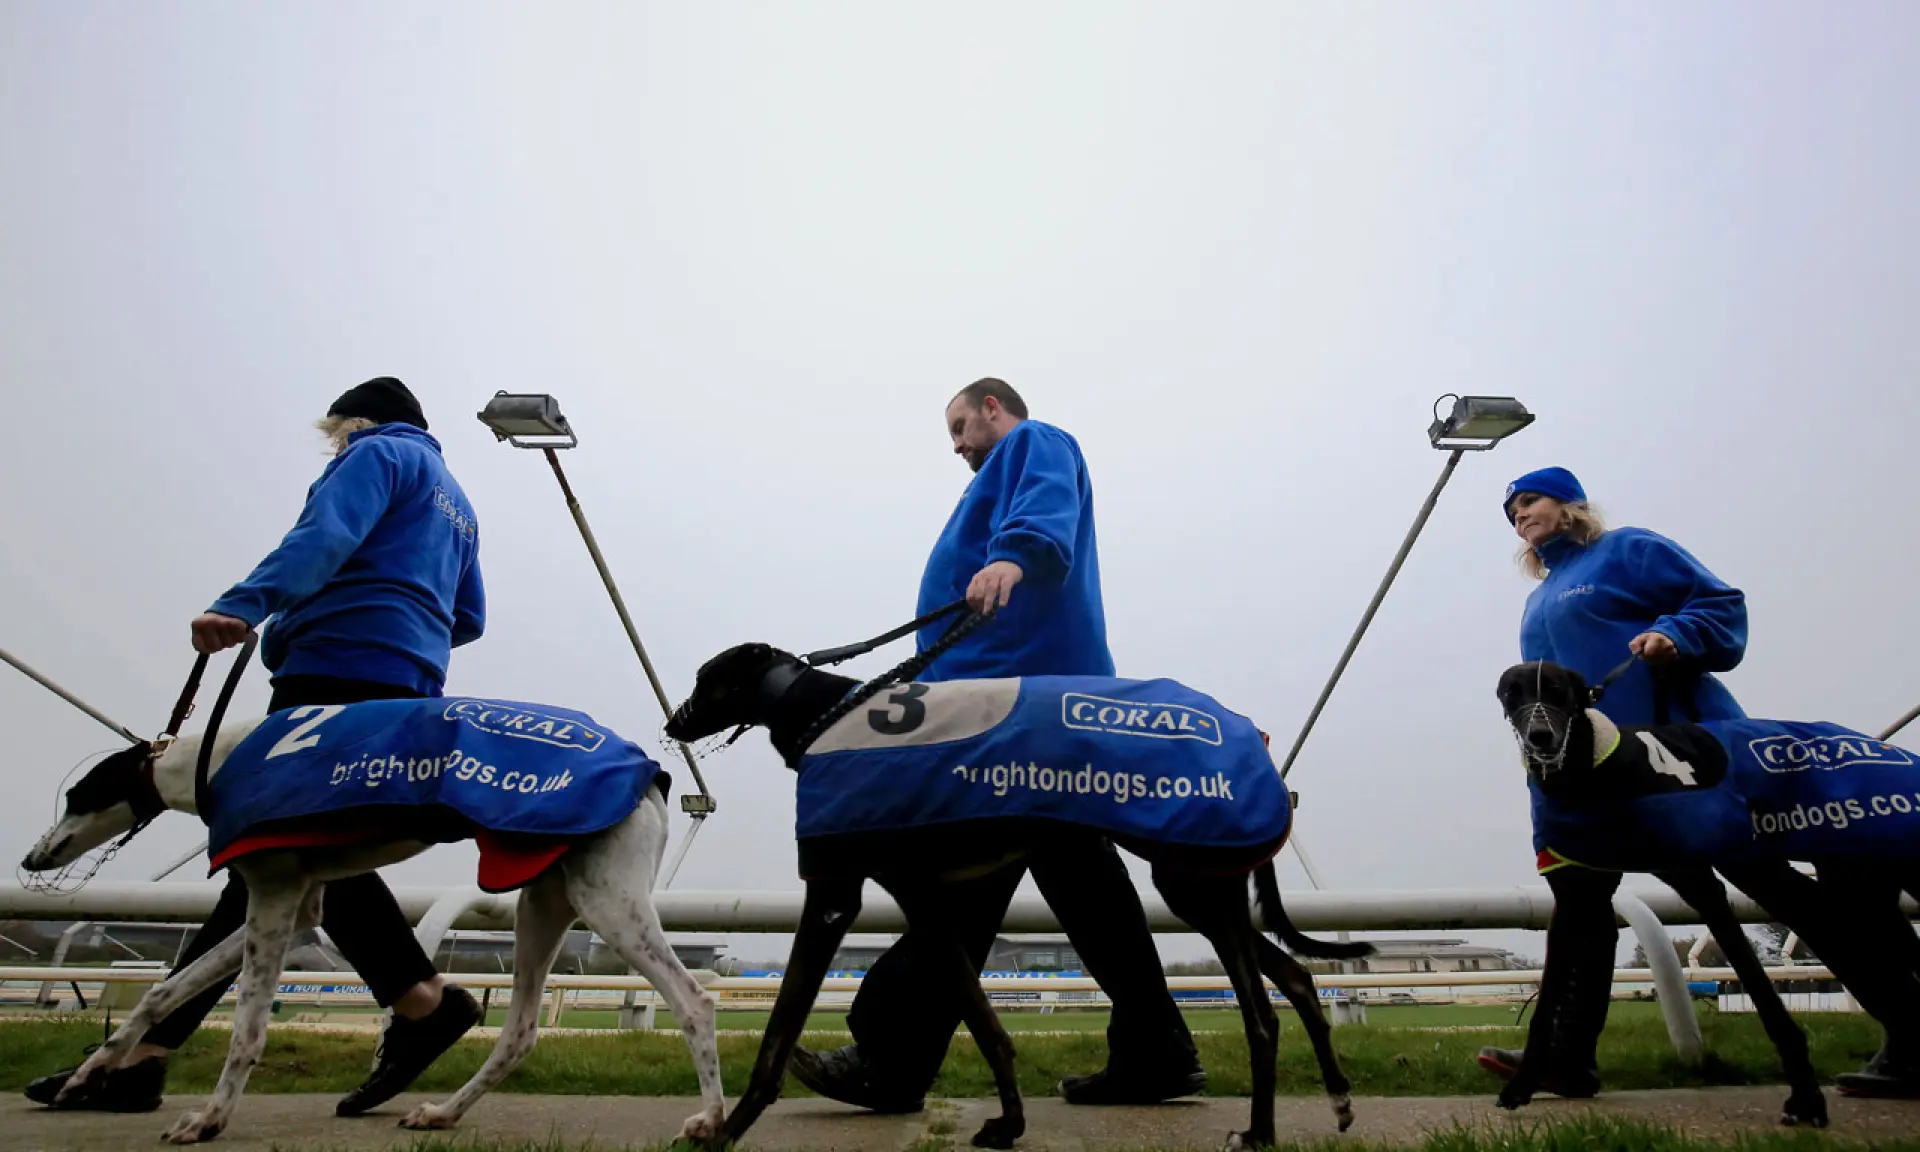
{"x": 844, "y": 1076}
{"x": 1883, "y": 1078}
{"x": 1106, "y": 1088}
{"x": 408, "y": 1047}
{"x": 136, "y": 1088}
{"x": 1505, "y": 1063}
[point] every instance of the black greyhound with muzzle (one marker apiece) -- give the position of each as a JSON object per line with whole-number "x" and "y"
{"x": 1587, "y": 770}
{"x": 809, "y": 713}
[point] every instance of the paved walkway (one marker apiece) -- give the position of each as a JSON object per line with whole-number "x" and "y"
{"x": 265, "y": 1122}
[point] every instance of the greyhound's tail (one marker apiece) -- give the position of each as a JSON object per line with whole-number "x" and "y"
{"x": 1266, "y": 890}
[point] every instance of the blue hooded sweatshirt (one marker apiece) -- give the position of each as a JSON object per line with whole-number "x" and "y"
{"x": 1031, "y": 503}
{"x": 379, "y": 579}
{"x": 1598, "y": 597}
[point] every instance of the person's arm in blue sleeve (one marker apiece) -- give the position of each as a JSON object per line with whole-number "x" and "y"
{"x": 469, "y": 606}
{"x": 1709, "y": 624}
{"x": 338, "y": 516}
{"x": 1043, "y": 515}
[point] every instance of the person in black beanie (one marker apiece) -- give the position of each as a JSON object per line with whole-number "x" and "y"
{"x": 369, "y": 592}
{"x": 383, "y": 400}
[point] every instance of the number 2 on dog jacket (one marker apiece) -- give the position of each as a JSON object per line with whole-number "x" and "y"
{"x": 1150, "y": 759}
{"x": 1695, "y": 794}
{"x": 498, "y": 765}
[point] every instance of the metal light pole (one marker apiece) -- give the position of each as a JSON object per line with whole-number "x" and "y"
{"x": 533, "y": 420}
{"x": 1476, "y": 424}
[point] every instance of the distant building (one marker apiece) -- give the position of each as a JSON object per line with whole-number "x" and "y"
{"x": 1011, "y": 953}
{"x": 1434, "y": 956}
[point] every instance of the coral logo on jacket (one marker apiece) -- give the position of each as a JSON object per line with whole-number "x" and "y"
{"x": 522, "y": 724}
{"x": 1827, "y": 753}
{"x": 1129, "y": 718}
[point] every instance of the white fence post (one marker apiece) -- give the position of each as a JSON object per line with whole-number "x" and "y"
{"x": 1669, "y": 981}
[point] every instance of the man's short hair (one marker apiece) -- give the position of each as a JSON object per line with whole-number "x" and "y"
{"x": 978, "y": 391}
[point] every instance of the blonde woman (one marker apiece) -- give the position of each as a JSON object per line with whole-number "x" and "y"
{"x": 1605, "y": 594}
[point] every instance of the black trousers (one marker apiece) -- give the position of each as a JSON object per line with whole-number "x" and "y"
{"x": 903, "y": 1018}
{"x": 359, "y": 913}
{"x": 1581, "y": 942}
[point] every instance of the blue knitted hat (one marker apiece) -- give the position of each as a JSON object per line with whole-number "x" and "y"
{"x": 1558, "y": 483}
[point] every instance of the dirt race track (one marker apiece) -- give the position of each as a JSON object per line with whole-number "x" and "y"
{"x": 307, "y": 1121}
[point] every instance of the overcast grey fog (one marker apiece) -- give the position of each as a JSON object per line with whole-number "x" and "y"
{"x": 1237, "y": 250}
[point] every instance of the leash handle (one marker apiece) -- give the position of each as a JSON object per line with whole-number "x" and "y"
{"x": 846, "y": 652}
{"x": 183, "y": 707}
{"x": 202, "y": 790}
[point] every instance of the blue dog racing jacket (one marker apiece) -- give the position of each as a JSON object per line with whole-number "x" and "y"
{"x": 1146, "y": 759}
{"x": 1695, "y": 794}
{"x": 495, "y": 766}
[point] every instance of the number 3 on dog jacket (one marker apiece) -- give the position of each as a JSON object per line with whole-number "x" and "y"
{"x": 450, "y": 765}
{"x": 1150, "y": 759}
{"x": 1695, "y": 794}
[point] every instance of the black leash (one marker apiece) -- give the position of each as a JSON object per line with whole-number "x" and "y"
{"x": 846, "y": 652}
{"x": 1598, "y": 690}
{"x": 901, "y": 673}
{"x": 202, "y": 791}
{"x": 1666, "y": 689}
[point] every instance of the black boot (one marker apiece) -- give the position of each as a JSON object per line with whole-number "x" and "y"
{"x": 1888, "y": 1076}
{"x": 135, "y": 1088}
{"x": 409, "y": 1047}
{"x": 844, "y": 1075}
{"x": 1579, "y": 1085}
{"x": 1118, "y": 1087}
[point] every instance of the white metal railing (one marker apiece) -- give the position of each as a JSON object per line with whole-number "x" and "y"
{"x": 437, "y": 910}
{"x": 1379, "y": 910}
{"x": 718, "y": 984}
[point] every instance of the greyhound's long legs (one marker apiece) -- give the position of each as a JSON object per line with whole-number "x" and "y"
{"x": 625, "y": 918}
{"x": 218, "y": 963}
{"x": 921, "y": 906}
{"x": 1296, "y": 983}
{"x": 830, "y": 907}
{"x": 279, "y": 899}
{"x": 539, "y": 929}
{"x": 1855, "y": 926}
{"x": 1703, "y": 892}
{"x": 1219, "y": 911}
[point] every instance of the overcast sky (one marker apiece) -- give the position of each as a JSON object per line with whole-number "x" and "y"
{"x": 1236, "y": 249}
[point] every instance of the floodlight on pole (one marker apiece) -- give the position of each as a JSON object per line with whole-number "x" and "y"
{"x": 1476, "y": 424}
{"x": 534, "y": 420}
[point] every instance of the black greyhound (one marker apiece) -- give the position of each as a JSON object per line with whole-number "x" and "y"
{"x": 758, "y": 685}
{"x": 1857, "y": 936}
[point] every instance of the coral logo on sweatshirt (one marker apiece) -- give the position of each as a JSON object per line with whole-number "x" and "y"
{"x": 1132, "y": 718}
{"x": 462, "y": 523}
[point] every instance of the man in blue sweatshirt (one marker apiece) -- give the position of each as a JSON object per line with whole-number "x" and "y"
{"x": 1020, "y": 542}
{"x": 369, "y": 592}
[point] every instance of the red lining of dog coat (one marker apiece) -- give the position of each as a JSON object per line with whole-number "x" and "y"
{"x": 507, "y": 860}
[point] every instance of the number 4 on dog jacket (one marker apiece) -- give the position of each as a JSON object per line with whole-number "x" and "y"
{"x": 1695, "y": 794}
{"x": 1150, "y": 759}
